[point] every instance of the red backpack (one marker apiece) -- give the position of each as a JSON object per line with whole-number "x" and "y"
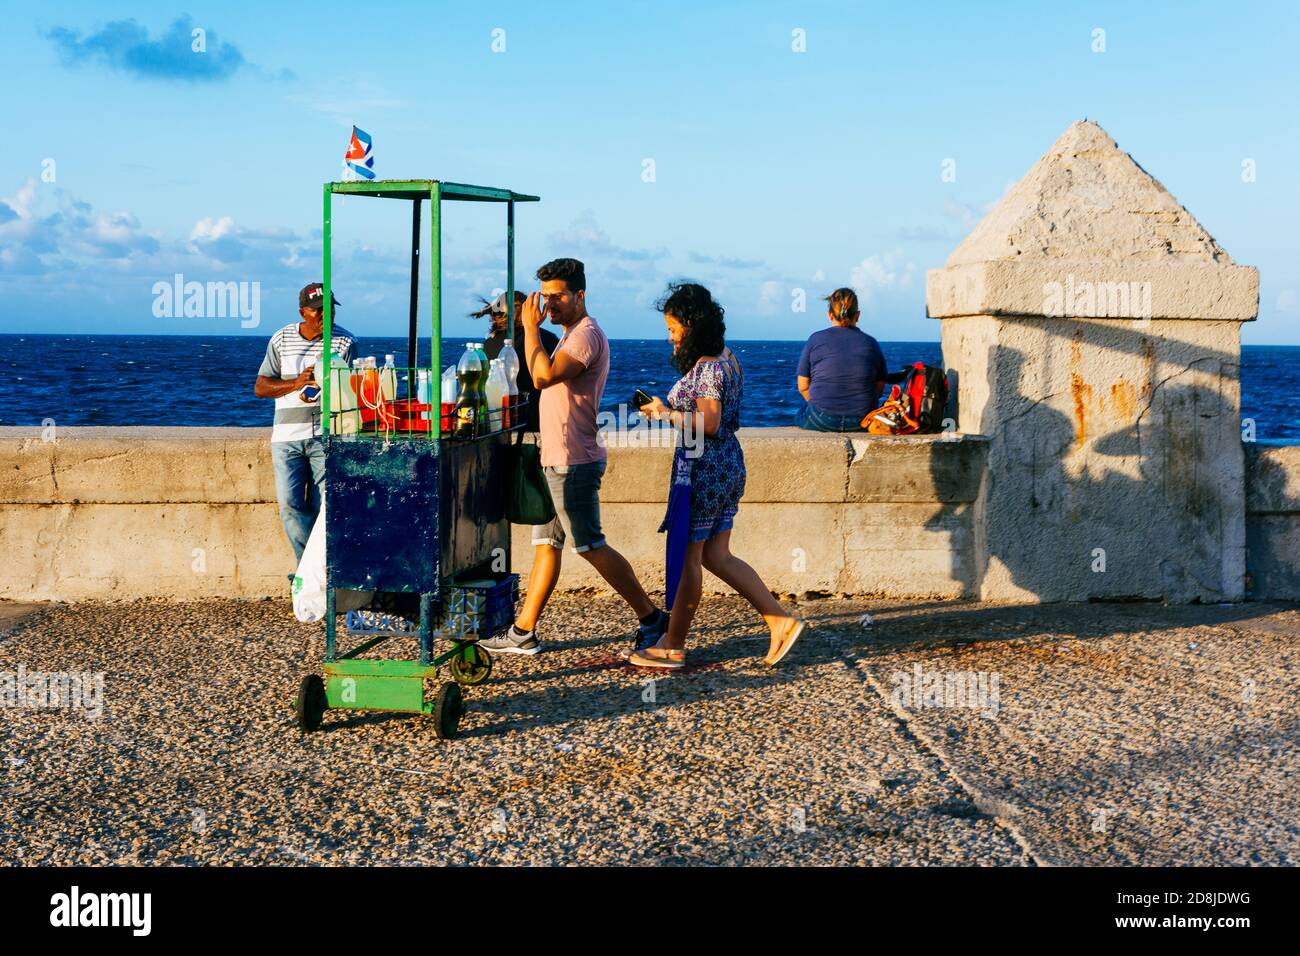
{"x": 926, "y": 389}
{"x": 916, "y": 408}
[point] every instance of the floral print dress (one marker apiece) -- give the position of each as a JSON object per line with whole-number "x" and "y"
{"x": 715, "y": 472}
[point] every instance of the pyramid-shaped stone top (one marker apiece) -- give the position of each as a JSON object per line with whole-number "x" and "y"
{"x": 1087, "y": 200}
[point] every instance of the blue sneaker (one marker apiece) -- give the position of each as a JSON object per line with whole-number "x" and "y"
{"x": 647, "y": 634}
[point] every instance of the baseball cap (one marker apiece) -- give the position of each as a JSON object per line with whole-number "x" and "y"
{"x": 312, "y": 296}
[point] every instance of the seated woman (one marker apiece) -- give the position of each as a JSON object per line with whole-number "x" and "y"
{"x": 841, "y": 370}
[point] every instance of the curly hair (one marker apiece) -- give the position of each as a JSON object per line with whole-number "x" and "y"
{"x": 694, "y": 307}
{"x": 572, "y": 271}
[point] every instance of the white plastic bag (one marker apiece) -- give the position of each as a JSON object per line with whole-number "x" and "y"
{"x": 309, "y": 582}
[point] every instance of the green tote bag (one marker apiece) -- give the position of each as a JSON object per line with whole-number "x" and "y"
{"x": 528, "y": 496}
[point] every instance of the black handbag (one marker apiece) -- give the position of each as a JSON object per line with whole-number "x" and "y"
{"x": 528, "y": 496}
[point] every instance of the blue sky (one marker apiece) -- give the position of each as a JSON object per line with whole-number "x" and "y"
{"x": 773, "y": 170}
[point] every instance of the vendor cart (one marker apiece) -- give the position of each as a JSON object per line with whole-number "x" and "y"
{"x": 414, "y": 519}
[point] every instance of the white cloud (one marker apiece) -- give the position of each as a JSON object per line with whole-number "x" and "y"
{"x": 881, "y": 272}
{"x": 45, "y": 230}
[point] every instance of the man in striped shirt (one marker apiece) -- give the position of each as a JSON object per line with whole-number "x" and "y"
{"x": 297, "y": 452}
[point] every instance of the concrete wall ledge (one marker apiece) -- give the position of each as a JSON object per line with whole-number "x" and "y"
{"x": 1273, "y": 522}
{"x": 118, "y": 513}
{"x": 233, "y": 465}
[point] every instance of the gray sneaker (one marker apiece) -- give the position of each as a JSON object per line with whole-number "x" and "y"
{"x": 511, "y": 641}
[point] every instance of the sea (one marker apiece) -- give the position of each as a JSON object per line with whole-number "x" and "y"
{"x": 208, "y": 380}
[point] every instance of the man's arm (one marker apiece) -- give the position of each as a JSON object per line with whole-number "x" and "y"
{"x": 269, "y": 384}
{"x": 544, "y": 369}
{"x": 804, "y": 382}
{"x": 266, "y": 387}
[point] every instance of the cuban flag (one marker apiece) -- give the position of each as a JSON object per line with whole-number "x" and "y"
{"x": 360, "y": 157}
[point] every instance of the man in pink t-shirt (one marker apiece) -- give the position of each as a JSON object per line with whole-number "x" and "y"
{"x": 571, "y": 382}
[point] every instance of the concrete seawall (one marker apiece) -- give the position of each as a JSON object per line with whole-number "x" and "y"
{"x": 1273, "y": 522}
{"x": 190, "y": 512}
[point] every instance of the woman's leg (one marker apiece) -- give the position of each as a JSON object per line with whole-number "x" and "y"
{"x": 782, "y": 627}
{"x": 687, "y": 599}
{"x": 739, "y": 575}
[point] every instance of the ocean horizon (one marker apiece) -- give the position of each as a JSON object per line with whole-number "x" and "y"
{"x": 108, "y": 379}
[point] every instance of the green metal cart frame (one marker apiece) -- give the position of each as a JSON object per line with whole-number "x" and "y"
{"x": 405, "y": 483}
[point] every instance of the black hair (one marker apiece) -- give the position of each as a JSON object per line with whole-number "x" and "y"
{"x": 694, "y": 307}
{"x": 572, "y": 271}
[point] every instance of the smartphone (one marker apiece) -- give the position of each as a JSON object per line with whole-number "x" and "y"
{"x": 310, "y": 393}
{"x": 640, "y": 399}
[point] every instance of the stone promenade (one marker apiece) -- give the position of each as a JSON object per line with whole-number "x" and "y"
{"x": 944, "y": 733}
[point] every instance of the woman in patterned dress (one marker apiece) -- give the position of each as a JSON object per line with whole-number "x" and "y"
{"x": 705, "y": 403}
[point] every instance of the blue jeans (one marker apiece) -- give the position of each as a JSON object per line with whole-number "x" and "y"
{"x": 815, "y": 420}
{"x": 295, "y": 463}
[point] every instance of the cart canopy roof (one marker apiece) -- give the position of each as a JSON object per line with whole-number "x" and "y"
{"x": 422, "y": 188}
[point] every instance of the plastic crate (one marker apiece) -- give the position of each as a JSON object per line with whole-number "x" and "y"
{"x": 476, "y": 610}
{"x": 379, "y": 622}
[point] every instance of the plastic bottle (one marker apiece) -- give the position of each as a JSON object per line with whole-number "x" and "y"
{"x": 449, "y": 392}
{"x": 510, "y": 362}
{"x": 345, "y": 413}
{"x": 495, "y": 394}
{"x": 469, "y": 406}
{"x": 388, "y": 380}
{"x": 424, "y": 388}
{"x": 484, "y": 371}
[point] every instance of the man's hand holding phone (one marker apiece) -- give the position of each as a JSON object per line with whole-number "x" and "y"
{"x": 306, "y": 379}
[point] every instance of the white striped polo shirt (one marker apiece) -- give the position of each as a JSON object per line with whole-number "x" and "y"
{"x": 287, "y": 354}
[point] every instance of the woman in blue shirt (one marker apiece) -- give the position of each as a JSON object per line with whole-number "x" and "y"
{"x": 841, "y": 370}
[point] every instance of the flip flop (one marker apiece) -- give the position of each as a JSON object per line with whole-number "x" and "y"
{"x": 800, "y": 627}
{"x": 664, "y": 658}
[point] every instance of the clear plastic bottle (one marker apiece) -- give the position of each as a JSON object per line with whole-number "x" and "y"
{"x": 510, "y": 363}
{"x": 345, "y": 413}
{"x": 388, "y": 380}
{"x": 484, "y": 370}
{"x": 449, "y": 392}
{"x": 495, "y": 394}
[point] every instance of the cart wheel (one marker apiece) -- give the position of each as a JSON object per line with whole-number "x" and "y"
{"x": 472, "y": 666}
{"x": 310, "y": 705}
{"x": 447, "y": 709}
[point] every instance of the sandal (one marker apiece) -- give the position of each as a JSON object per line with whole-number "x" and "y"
{"x": 661, "y": 657}
{"x": 783, "y": 648}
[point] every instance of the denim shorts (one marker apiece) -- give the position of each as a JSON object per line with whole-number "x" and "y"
{"x": 575, "y": 489}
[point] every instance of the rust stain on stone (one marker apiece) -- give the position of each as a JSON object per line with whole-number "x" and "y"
{"x": 1082, "y": 393}
{"x": 1148, "y": 366}
{"x": 1124, "y": 395}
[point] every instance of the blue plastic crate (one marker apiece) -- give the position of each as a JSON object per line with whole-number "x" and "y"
{"x": 476, "y": 610}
